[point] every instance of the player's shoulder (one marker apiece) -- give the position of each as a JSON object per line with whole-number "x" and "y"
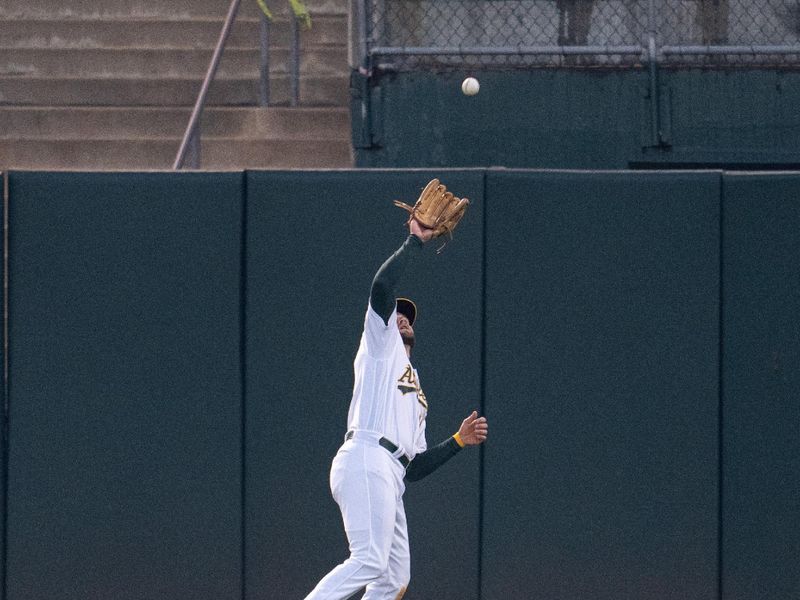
{"x": 381, "y": 338}
{"x": 375, "y": 321}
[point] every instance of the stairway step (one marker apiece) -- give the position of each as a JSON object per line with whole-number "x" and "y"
{"x": 175, "y": 9}
{"x": 268, "y": 123}
{"x": 132, "y": 63}
{"x": 160, "y": 154}
{"x": 323, "y": 124}
{"x": 264, "y": 154}
{"x": 159, "y": 33}
{"x": 315, "y": 90}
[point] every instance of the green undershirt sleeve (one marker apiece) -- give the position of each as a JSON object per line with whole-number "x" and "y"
{"x": 382, "y": 296}
{"x": 427, "y": 462}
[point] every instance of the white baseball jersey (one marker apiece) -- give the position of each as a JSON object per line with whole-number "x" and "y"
{"x": 387, "y": 397}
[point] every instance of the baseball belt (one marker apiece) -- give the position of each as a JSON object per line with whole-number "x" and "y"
{"x": 388, "y": 445}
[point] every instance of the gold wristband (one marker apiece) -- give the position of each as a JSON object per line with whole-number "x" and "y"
{"x": 458, "y": 439}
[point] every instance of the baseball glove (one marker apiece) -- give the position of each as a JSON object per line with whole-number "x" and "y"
{"x": 437, "y": 209}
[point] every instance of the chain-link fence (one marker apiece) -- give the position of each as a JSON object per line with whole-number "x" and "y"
{"x": 410, "y": 34}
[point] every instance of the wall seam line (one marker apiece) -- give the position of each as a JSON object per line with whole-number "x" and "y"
{"x": 243, "y": 381}
{"x": 482, "y": 455}
{"x": 720, "y": 390}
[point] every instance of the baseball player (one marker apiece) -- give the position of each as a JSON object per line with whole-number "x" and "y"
{"x": 385, "y": 441}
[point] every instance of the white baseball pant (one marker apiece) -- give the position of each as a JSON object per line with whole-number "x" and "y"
{"x": 367, "y": 483}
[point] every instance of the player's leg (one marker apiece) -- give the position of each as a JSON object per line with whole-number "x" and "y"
{"x": 366, "y": 497}
{"x": 392, "y": 585}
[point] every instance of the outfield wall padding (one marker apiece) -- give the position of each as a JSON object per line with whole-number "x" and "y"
{"x": 180, "y": 353}
{"x": 315, "y": 241}
{"x": 124, "y": 387}
{"x": 761, "y": 383}
{"x": 601, "y": 385}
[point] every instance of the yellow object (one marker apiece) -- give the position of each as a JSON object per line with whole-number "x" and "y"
{"x": 458, "y": 439}
{"x": 264, "y": 9}
{"x": 301, "y": 13}
{"x": 298, "y": 8}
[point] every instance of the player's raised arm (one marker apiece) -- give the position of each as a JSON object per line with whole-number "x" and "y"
{"x": 436, "y": 213}
{"x": 382, "y": 295}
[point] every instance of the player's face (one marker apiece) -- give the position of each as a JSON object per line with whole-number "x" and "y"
{"x": 406, "y": 331}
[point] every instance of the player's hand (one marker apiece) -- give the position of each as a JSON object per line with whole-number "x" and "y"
{"x": 474, "y": 430}
{"x": 423, "y": 233}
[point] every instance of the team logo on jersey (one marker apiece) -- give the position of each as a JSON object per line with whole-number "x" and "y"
{"x": 408, "y": 384}
{"x": 421, "y": 398}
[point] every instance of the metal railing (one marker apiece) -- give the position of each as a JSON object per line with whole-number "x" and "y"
{"x": 189, "y": 152}
{"x": 412, "y": 34}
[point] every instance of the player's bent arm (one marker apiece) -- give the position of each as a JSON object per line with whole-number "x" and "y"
{"x": 473, "y": 431}
{"x": 427, "y": 462}
{"x": 382, "y": 295}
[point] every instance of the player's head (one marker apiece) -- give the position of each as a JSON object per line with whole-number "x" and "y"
{"x": 406, "y": 315}
{"x": 408, "y": 308}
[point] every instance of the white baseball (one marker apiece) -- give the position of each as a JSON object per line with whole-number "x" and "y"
{"x": 470, "y": 86}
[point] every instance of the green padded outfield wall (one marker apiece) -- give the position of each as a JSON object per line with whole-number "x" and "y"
{"x": 580, "y": 119}
{"x": 308, "y": 278}
{"x": 761, "y": 418}
{"x": 180, "y": 366}
{"x": 124, "y": 386}
{"x": 601, "y": 361}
